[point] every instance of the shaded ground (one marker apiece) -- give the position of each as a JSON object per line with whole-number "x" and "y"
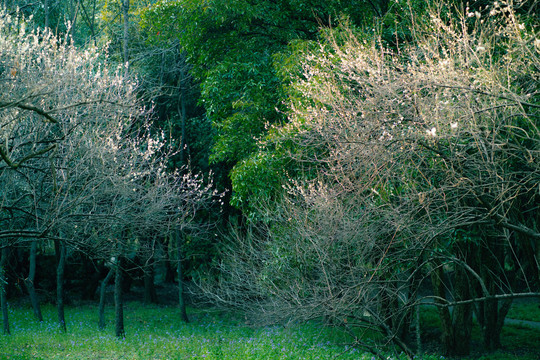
{"x": 531, "y": 324}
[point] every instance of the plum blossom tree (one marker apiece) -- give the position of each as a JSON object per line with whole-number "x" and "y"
{"x": 427, "y": 168}
{"x": 78, "y": 163}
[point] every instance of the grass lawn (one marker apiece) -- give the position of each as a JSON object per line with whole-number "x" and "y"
{"x": 519, "y": 342}
{"x": 525, "y": 310}
{"x": 155, "y": 332}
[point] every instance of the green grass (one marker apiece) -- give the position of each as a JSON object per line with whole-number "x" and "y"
{"x": 519, "y": 342}
{"x": 157, "y": 333}
{"x": 525, "y": 311}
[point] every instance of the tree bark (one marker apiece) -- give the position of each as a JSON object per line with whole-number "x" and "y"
{"x": 167, "y": 249}
{"x": 150, "y": 295}
{"x": 101, "y": 322}
{"x": 74, "y": 13}
{"x": 125, "y": 10}
{"x": 60, "y": 286}
{"x": 437, "y": 276}
{"x": 181, "y": 302}
{"x": 494, "y": 310}
{"x": 29, "y": 281}
{"x": 3, "y": 289}
{"x": 456, "y": 325}
{"x": 182, "y": 111}
{"x": 494, "y": 321}
{"x": 46, "y": 10}
{"x": 462, "y": 316}
{"x": 118, "y": 300}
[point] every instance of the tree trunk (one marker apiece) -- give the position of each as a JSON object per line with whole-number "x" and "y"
{"x": 74, "y": 14}
{"x": 437, "y": 281}
{"x": 101, "y": 323}
{"x": 462, "y": 316}
{"x": 46, "y": 10}
{"x": 182, "y": 111}
{"x": 3, "y": 288}
{"x": 494, "y": 277}
{"x": 181, "y": 302}
{"x": 125, "y": 10}
{"x": 169, "y": 268}
{"x": 456, "y": 325}
{"x": 494, "y": 321}
{"x": 92, "y": 281}
{"x": 118, "y": 300}
{"x": 503, "y": 311}
{"x": 60, "y": 286}
{"x": 29, "y": 282}
{"x": 150, "y": 295}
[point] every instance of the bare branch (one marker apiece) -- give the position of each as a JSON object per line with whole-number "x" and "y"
{"x": 35, "y": 109}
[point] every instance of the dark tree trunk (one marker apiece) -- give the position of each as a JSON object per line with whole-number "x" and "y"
{"x": 29, "y": 282}
{"x": 46, "y": 10}
{"x": 74, "y": 13}
{"x": 118, "y": 300}
{"x": 494, "y": 321}
{"x": 101, "y": 322}
{"x": 437, "y": 280}
{"x": 92, "y": 277}
{"x": 462, "y": 316}
{"x": 456, "y": 325}
{"x": 3, "y": 289}
{"x": 503, "y": 311}
{"x": 60, "y": 286}
{"x": 493, "y": 310}
{"x": 169, "y": 269}
{"x": 181, "y": 302}
{"x": 89, "y": 17}
{"x": 182, "y": 109}
{"x": 150, "y": 295}
{"x": 125, "y": 12}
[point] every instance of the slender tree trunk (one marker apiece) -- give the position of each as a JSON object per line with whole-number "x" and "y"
{"x": 94, "y": 22}
{"x": 437, "y": 281}
{"x": 125, "y": 10}
{"x": 169, "y": 268}
{"x": 503, "y": 311}
{"x": 494, "y": 311}
{"x": 74, "y": 15}
{"x": 418, "y": 330}
{"x": 118, "y": 299}
{"x": 456, "y": 326}
{"x": 3, "y": 288}
{"x": 182, "y": 112}
{"x": 46, "y": 10}
{"x": 181, "y": 302}
{"x": 462, "y": 315}
{"x": 29, "y": 281}
{"x": 60, "y": 286}
{"x": 101, "y": 323}
{"x": 150, "y": 295}
{"x": 494, "y": 321}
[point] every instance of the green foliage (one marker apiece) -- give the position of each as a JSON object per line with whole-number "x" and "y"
{"x": 258, "y": 178}
{"x": 237, "y": 50}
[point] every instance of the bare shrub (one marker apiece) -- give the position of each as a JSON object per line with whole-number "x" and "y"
{"x": 428, "y": 166}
